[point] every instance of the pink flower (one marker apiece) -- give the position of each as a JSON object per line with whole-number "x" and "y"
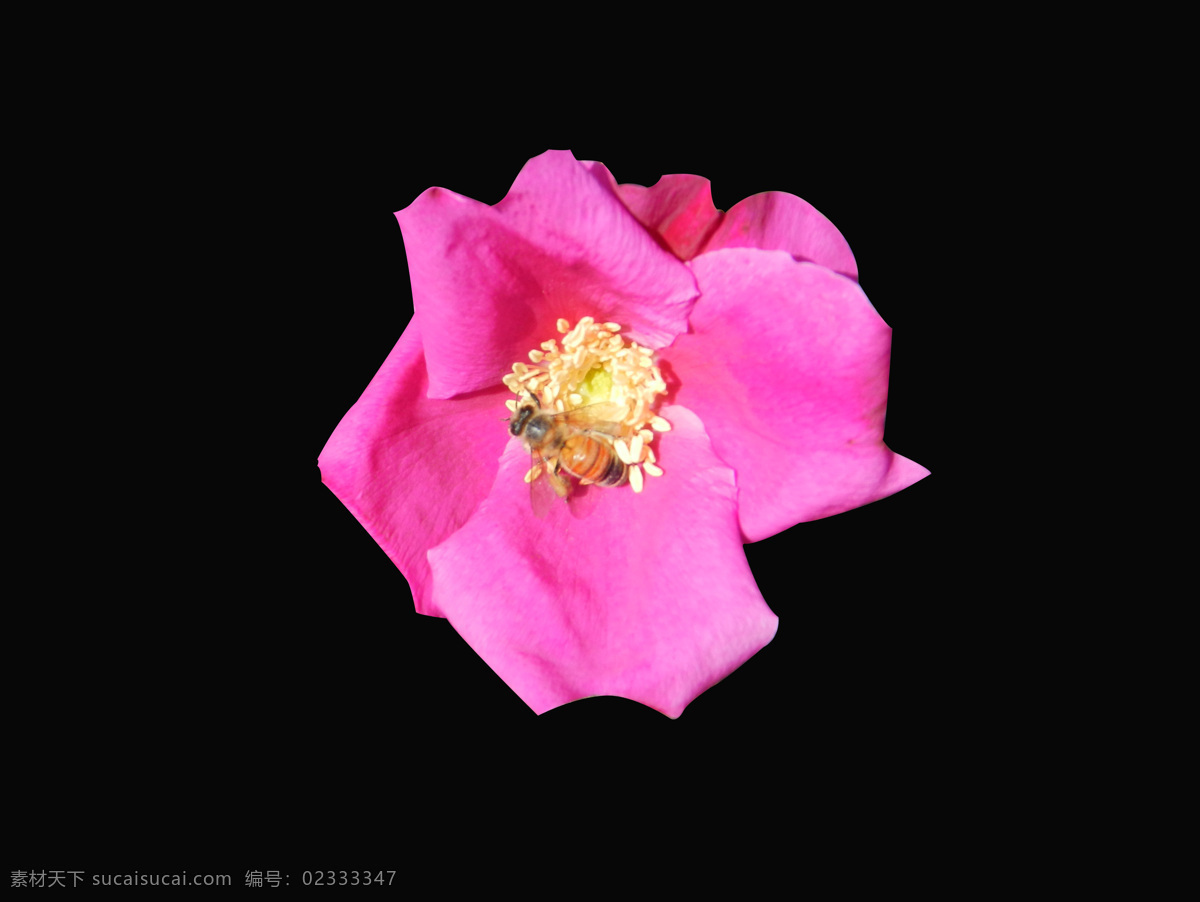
{"x": 776, "y": 370}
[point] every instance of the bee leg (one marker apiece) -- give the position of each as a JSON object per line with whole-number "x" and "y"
{"x": 562, "y": 487}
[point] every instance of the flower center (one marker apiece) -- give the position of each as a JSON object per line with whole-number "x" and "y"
{"x": 595, "y": 366}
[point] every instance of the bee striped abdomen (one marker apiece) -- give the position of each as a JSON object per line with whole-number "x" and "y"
{"x": 590, "y": 458}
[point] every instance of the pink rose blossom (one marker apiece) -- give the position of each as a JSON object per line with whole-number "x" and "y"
{"x": 777, "y": 370}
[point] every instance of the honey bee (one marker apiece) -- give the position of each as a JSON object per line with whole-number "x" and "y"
{"x": 577, "y": 443}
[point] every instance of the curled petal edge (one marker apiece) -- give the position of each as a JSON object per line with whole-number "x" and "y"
{"x": 543, "y": 604}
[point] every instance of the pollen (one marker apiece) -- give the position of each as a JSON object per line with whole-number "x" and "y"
{"x": 591, "y": 364}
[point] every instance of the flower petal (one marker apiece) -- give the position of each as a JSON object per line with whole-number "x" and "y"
{"x": 677, "y": 208}
{"x": 489, "y": 283}
{"x": 648, "y": 596}
{"x": 396, "y": 462}
{"x": 775, "y": 220}
{"x": 788, "y": 369}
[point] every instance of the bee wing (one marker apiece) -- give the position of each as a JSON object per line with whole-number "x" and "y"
{"x": 602, "y": 417}
{"x": 547, "y": 486}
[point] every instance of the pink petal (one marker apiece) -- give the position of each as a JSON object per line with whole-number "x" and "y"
{"x": 775, "y": 220}
{"x": 397, "y": 461}
{"x": 648, "y": 597}
{"x": 678, "y": 208}
{"x": 788, "y": 368}
{"x": 490, "y": 282}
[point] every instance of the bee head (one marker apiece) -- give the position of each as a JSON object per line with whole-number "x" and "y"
{"x": 519, "y": 420}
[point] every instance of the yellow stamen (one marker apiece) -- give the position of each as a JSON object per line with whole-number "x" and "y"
{"x": 596, "y": 385}
{"x": 622, "y": 450}
{"x": 593, "y": 365}
{"x": 635, "y": 478}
